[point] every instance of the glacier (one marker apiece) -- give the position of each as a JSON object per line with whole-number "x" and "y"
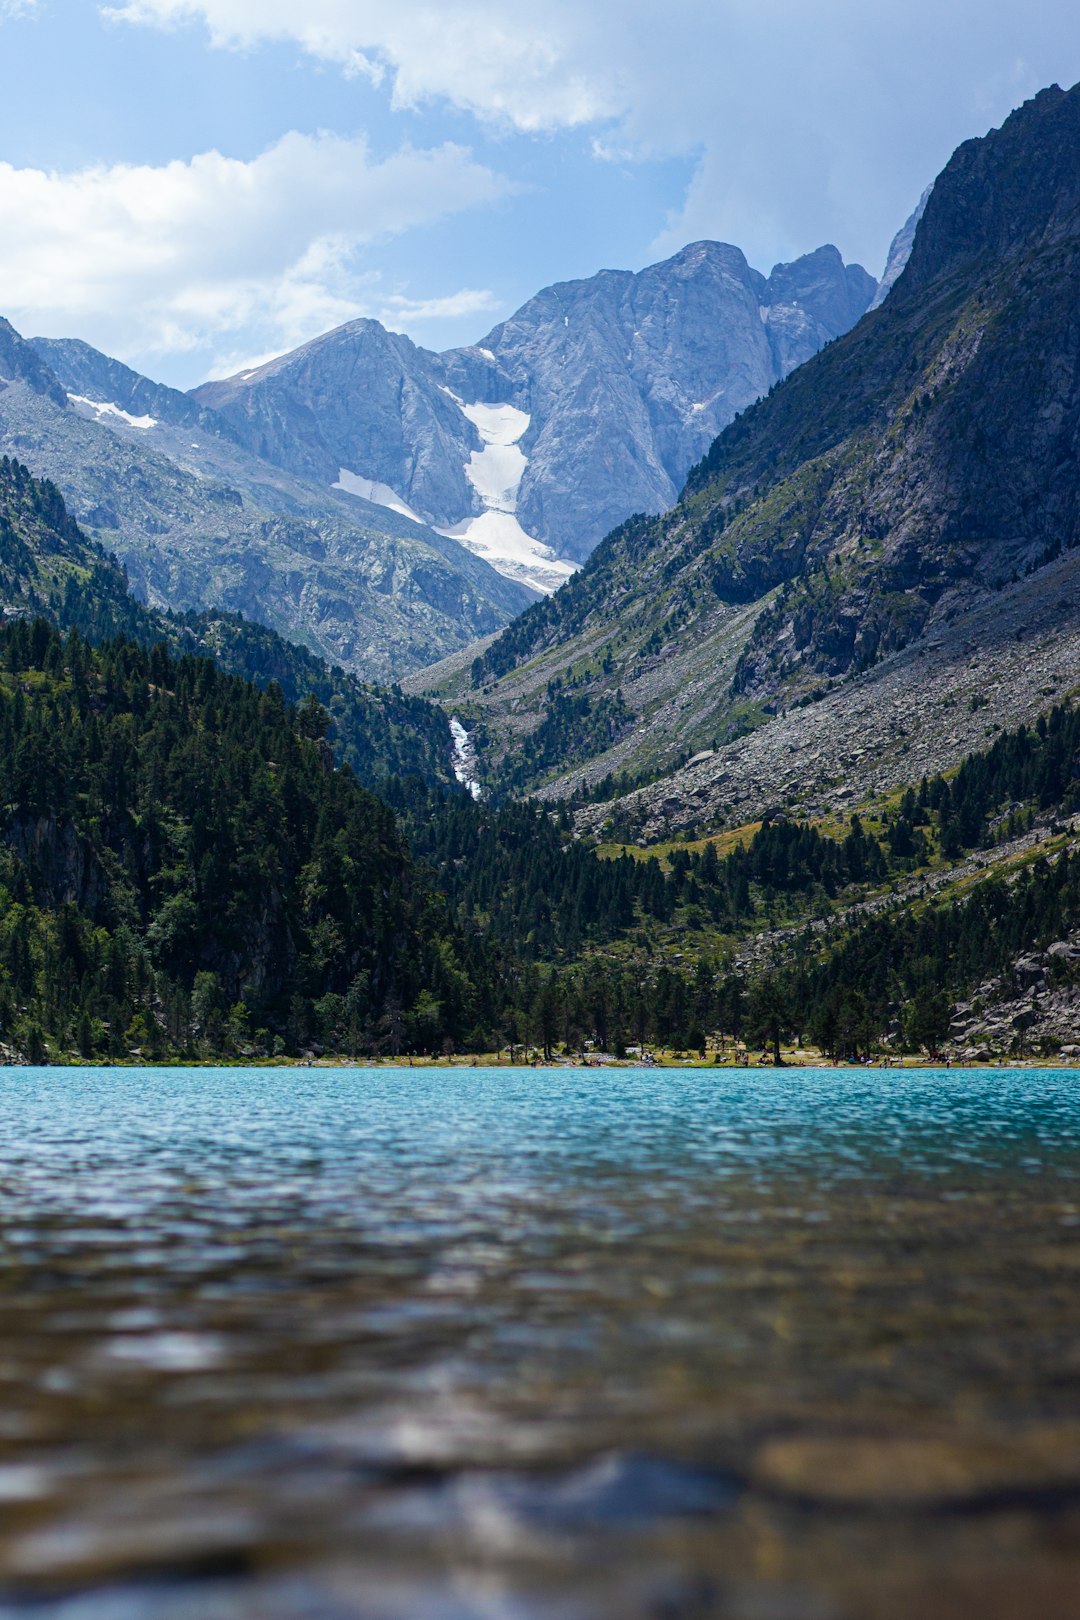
{"x": 495, "y": 472}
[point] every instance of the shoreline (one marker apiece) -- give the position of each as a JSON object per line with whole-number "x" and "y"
{"x": 797, "y": 1064}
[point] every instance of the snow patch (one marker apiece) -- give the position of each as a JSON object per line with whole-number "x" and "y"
{"x": 500, "y": 540}
{"x": 464, "y": 760}
{"x": 487, "y": 354}
{"x": 369, "y": 489}
{"x": 495, "y": 472}
{"x": 104, "y": 408}
{"x": 498, "y": 424}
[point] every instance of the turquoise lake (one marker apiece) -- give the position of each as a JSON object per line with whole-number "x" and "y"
{"x": 485, "y": 1344}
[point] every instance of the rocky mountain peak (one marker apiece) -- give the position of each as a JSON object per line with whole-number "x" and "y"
{"x": 89, "y": 375}
{"x": 358, "y": 406}
{"x": 914, "y": 485}
{"x": 834, "y": 293}
{"x": 1003, "y": 193}
{"x": 900, "y": 249}
{"x": 19, "y": 362}
{"x": 605, "y": 390}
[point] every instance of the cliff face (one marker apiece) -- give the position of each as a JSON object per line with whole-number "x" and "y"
{"x": 951, "y": 465}
{"x": 900, "y": 250}
{"x": 360, "y": 399}
{"x": 891, "y": 488}
{"x": 90, "y": 375}
{"x": 628, "y": 378}
{"x": 616, "y": 385}
{"x": 200, "y": 523}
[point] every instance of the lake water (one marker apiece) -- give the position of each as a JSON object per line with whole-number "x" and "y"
{"x": 539, "y": 1345}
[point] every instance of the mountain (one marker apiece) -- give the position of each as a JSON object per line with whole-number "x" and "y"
{"x": 900, "y": 249}
{"x": 590, "y": 403}
{"x": 49, "y": 568}
{"x": 870, "y": 564}
{"x": 357, "y": 404}
{"x": 628, "y": 378}
{"x": 199, "y": 523}
{"x": 184, "y": 873}
{"x": 110, "y": 389}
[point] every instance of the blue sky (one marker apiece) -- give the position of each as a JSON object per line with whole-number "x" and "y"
{"x": 194, "y": 185}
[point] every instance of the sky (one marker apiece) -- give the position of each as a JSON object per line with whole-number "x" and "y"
{"x": 195, "y": 185}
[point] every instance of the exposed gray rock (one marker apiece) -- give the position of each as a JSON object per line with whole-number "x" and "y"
{"x": 921, "y": 710}
{"x": 915, "y": 483}
{"x": 84, "y": 371}
{"x": 900, "y": 249}
{"x": 362, "y": 399}
{"x": 21, "y": 363}
{"x": 626, "y": 379}
{"x": 811, "y": 301}
{"x": 200, "y": 523}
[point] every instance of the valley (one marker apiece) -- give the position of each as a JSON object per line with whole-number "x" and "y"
{"x": 660, "y": 784}
{"x": 539, "y": 812}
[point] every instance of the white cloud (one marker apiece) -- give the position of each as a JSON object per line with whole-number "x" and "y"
{"x": 452, "y": 307}
{"x": 504, "y": 64}
{"x": 185, "y": 257}
{"x": 809, "y": 120}
{"x": 16, "y": 8}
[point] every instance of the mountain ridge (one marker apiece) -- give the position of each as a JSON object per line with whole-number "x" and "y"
{"x": 902, "y": 477}
{"x": 620, "y": 381}
{"x": 201, "y": 524}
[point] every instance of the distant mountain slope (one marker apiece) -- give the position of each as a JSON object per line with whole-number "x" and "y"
{"x": 48, "y": 567}
{"x": 200, "y": 523}
{"x": 628, "y": 378}
{"x": 358, "y": 399}
{"x": 900, "y": 249}
{"x": 590, "y": 403}
{"x": 91, "y": 376}
{"x": 889, "y": 490}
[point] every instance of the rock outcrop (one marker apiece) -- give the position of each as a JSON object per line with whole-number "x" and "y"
{"x": 623, "y": 380}
{"x": 201, "y": 523}
{"x": 360, "y": 400}
{"x": 901, "y": 484}
{"x": 900, "y": 249}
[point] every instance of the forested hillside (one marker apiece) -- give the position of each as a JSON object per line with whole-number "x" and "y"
{"x": 183, "y": 868}
{"x": 192, "y": 864}
{"x": 184, "y": 871}
{"x": 49, "y": 567}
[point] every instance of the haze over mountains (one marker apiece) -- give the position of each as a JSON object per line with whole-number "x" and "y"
{"x": 200, "y": 524}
